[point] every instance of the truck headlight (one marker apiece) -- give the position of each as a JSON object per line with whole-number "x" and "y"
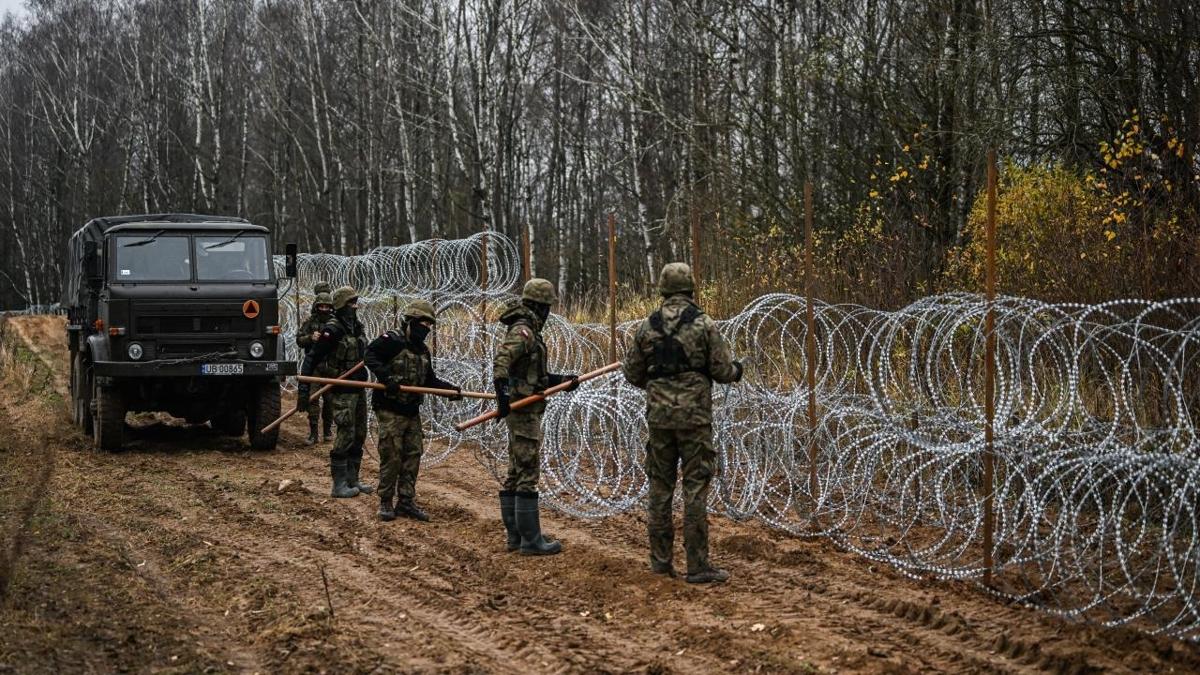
{"x": 135, "y": 351}
{"x": 257, "y": 350}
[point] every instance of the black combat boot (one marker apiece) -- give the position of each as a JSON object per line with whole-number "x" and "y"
{"x": 530, "y": 526}
{"x": 409, "y": 509}
{"x": 341, "y": 489}
{"x": 312, "y": 434}
{"x": 353, "y": 466}
{"x": 508, "y": 503}
{"x": 328, "y": 436}
{"x": 709, "y": 575}
{"x": 665, "y": 568}
{"x": 386, "y": 512}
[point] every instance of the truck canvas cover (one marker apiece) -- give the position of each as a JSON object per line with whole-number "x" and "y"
{"x": 75, "y": 285}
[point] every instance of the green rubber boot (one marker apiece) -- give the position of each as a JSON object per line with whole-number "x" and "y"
{"x": 353, "y": 466}
{"x": 508, "y": 504}
{"x": 341, "y": 489}
{"x": 530, "y": 526}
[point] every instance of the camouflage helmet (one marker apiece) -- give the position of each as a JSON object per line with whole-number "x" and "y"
{"x": 344, "y": 296}
{"x": 322, "y": 287}
{"x": 420, "y": 309}
{"x": 539, "y": 290}
{"x": 323, "y": 298}
{"x": 676, "y": 278}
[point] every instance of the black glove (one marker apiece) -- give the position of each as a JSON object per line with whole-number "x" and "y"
{"x": 574, "y": 379}
{"x": 737, "y": 366}
{"x": 502, "y": 408}
{"x": 457, "y": 394}
{"x": 555, "y": 379}
{"x": 393, "y": 386}
{"x": 302, "y": 398}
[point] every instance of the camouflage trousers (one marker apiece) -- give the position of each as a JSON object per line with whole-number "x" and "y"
{"x": 350, "y": 415}
{"x": 314, "y": 410}
{"x": 401, "y": 444}
{"x": 524, "y": 451}
{"x": 666, "y": 450}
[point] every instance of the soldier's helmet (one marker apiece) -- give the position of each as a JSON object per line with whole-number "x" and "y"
{"x": 676, "y": 278}
{"x": 539, "y": 290}
{"x": 322, "y": 287}
{"x": 323, "y": 298}
{"x": 420, "y": 309}
{"x": 344, "y": 296}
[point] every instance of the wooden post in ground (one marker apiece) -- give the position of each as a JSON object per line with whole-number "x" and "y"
{"x": 526, "y": 255}
{"x": 696, "y": 249}
{"x": 989, "y": 378}
{"x": 612, "y": 288}
{"x": 810, "y": 342}
{"x": 483, "y": 272}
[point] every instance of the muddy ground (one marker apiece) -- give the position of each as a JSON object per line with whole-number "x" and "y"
{"x": 181, "y": 555}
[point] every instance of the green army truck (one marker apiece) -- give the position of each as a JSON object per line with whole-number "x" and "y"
{"x": 176, "y": 313}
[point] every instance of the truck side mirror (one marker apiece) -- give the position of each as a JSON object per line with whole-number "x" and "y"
{"x": 290, "y": 260}
{"x": 91, "y": 264}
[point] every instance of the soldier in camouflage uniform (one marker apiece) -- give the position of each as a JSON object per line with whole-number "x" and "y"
{"x": 519, "y": 370}
{"x": 676, "y": 355}
{"x": 400, "y": 357}
{"x": 306, "y": 335}
{"x": 340, "y": 346}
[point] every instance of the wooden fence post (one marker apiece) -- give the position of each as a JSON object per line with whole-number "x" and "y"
{"x": 989, "y": 381}
{"x": 810, "y": 343}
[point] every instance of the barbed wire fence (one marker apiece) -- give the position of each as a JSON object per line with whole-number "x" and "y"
{"x": 1097, "y": 475}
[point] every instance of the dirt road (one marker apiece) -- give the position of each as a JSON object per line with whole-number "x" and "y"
{"x": 181, "y": 555}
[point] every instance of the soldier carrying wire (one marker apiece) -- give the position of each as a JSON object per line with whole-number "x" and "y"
{"x": 340, "y": 347}
{"x": 306, "y": 336}
{"x": 519, "y": 370}
{"x": 397, "y": 358}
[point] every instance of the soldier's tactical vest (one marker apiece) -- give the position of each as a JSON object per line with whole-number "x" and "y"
{"x": 349, "y": 351}
{"x": 413, "y": 370}
{"x": 528, "y": 374}
{"x": 670, "y": 357}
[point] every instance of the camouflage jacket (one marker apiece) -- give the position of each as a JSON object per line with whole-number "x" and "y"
{"x": 521, "y": 358}
{"x": 679, "y": 397}
{"x": 313, "y": 324}
{"x": 340, "y": 347}
{"x": 392, "y": 357}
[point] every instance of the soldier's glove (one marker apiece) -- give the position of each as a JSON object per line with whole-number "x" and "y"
{"x": 393, "y": 386}
{"x": 574, "y": 380}
{"x": 502, "y": 408}
{"x": 738, "y": 370}
{"x": 556, "y": 379}
{"x": 457, "y": 394}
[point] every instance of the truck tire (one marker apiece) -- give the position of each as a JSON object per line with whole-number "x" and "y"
{"x": 262, "y": 409}
{"x": 230, "y": 422}
{"x": 109, "y": 423}
{"x": 81, "y": 394}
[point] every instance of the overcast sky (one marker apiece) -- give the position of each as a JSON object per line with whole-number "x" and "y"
{"x": 14, "y": 6}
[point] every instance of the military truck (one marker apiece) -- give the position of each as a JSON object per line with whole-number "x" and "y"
{"x": 174, "y": 313}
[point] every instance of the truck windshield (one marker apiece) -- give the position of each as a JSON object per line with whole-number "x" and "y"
{"x": 231, "y": 257}
{"x": 151, "y": 257}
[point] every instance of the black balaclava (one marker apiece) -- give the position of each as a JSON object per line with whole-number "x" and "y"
{"x": 540, "y": 309}
{"x": 348, "y": 313}
{"x": 417, "y": 331}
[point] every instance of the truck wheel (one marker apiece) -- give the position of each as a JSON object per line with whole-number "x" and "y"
{"x": 230, "y": 422}
{"x": 81, "y": 395}
{"x": 263, "y": 409}
{"x": 109, "y": 424}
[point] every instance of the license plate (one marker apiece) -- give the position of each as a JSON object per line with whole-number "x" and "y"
{"x": 221, "y": 369}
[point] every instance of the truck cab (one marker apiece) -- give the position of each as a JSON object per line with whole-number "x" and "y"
{"x": 174, "y": 313}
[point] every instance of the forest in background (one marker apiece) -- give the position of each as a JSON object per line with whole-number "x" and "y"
{"x": 345, "y": 125}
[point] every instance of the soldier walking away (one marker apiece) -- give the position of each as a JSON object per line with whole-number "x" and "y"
{"x": 519, "y": 370}
{"x": 400, "y": 357}
{"x": 676, "y": 355}
{"x": 306, "y": 335}
{"x": 339, "y": 347}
